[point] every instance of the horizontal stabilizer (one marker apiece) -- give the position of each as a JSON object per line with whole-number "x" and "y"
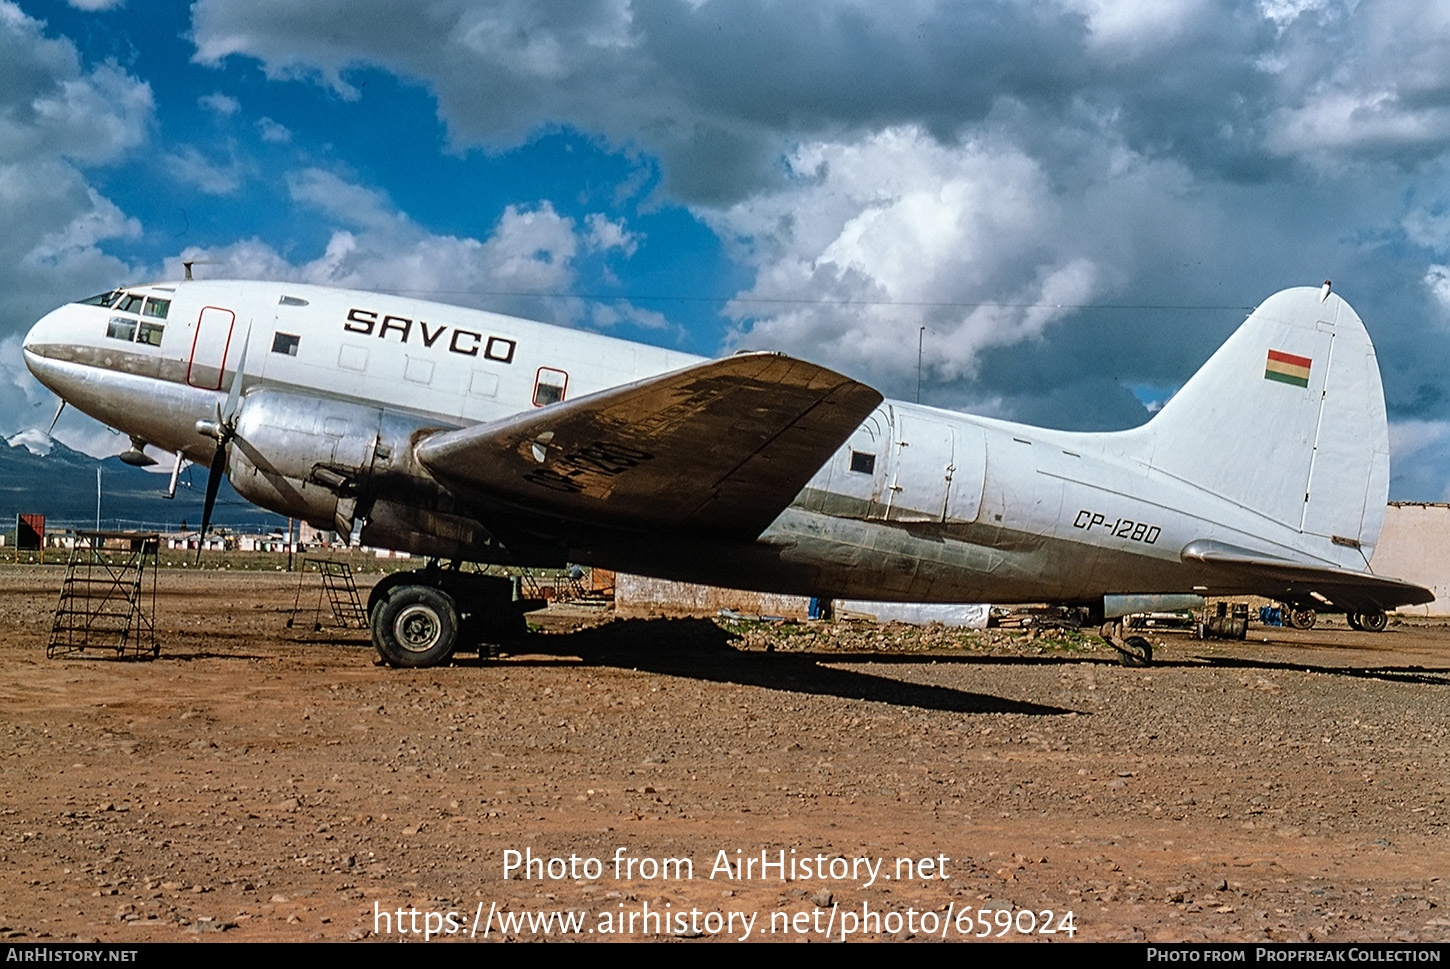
{"x": 1243, "y": 571}
{"x": 719, "y": 447}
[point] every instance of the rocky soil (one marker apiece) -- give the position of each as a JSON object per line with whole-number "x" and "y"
{"x": 701, "y": 780}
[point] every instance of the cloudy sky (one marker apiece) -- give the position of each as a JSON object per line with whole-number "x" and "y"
{"x": 1078, "y": 199}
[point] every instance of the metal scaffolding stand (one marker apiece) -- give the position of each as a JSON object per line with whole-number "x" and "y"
{"x": 105, "y": 601}
{"x": 341, "y": 593}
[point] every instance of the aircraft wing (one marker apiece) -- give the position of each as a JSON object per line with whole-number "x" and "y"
{"x": 1286, "y": 580}
{"x": 720, "y": 447}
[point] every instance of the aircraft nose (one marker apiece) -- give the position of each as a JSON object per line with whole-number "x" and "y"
{"x": 40, "y": 342}
{"x": 42, "y": 333}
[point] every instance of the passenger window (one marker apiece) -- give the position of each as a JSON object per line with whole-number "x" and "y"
{"x": 285, "y": 343}
{"x": 150, "y": 333}
{"x": 121, "y": 328}
{"x": 862, "y": 462}
{"x": 157, "y": 308}
{"x": 549, "y": 386}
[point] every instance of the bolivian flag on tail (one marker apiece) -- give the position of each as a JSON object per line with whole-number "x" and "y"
{"x": 1287, "y": 368}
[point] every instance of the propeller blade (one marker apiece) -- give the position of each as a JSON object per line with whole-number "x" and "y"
{"x": 234, "y": 394}
{"x": 213, "y": 483}
{"x": 226, "y": 429}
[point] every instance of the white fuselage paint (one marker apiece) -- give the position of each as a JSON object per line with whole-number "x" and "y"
{"x": 920, "y": 504}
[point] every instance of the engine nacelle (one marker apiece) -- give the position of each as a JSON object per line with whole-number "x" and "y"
{"x": 338, "y": 463}
{"x": 283, "y": 439}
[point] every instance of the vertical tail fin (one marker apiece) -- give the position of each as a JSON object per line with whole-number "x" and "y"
{"x": 1287, "y": 420}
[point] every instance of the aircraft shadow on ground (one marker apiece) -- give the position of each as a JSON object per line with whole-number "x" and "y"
{"x": 1395, "y": 674}
{"x": 699, "y": 649}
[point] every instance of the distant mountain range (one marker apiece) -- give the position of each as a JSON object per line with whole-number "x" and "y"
{"x": 39, "y": 475}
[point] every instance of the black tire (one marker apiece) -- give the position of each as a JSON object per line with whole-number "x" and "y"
{"x": 386, "y": 585}
{"x": 1302, "y": 617}
{"x": 1137, "y": 652}
{"x": 1373, "y": 622}
{"x": 1353, "y": 619}
{"x": 415, "y": 626}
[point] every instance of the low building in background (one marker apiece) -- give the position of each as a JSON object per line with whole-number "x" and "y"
{"x": 1412, "y": 547}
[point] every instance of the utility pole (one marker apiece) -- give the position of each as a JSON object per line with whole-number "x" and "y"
{"x": 920, "y": 339}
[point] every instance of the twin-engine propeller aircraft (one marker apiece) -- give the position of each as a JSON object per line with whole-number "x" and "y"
{"x": 474, "y": 437}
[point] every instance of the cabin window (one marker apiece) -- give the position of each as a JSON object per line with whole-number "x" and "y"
{"x": 549, "y": 386}
{"x": 285, "y": 343}
{"x": 863, "y": 462}
{"x": 157, "y": 308}
{"x": 131, "y": 303}
{"x": 121, "y": 328}
{"x": 150, "y": 333}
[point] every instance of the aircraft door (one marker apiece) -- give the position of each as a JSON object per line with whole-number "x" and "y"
{"x": 210, "y": 343}
{"x": 923, "y": 463}
{"x": 937, "y": 472}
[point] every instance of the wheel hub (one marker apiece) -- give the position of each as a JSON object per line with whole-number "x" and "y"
{"x": 417, "y": 629}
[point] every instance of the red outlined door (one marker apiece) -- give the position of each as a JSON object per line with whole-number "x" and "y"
{"x": 209, "y": 346}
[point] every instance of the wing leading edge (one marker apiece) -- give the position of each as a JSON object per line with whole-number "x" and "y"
{"x": 1246, "y": 571}
{"x": 720, "y": 447}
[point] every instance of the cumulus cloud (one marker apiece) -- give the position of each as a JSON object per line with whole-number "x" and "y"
{"x": 524, "y": 265}
{"x": 190, "y": 166}
{"x": 1367, "y": 81}
{"x": 873, "y": 240}
{"x": 58, "y": 118}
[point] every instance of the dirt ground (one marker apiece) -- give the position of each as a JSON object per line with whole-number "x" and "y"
{"x": 676, "y": 780}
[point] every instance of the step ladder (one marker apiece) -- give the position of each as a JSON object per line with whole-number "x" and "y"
{"x": 106, "y": 602}
{"x": 340, "y": 591}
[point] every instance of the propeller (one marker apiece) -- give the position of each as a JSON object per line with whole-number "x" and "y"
{"x": 224, "y": 429}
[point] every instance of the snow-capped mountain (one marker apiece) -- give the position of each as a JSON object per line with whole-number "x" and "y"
{"x": 40, "y": 475}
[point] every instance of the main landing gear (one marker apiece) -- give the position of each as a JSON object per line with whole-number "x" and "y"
{"x": 421, "y": 618}
{"x": 1299, "y": 617}
{"x": 1303, "y": 617}
{"x": 1373, "y": 621}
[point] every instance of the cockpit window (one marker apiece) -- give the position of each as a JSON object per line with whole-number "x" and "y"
{"x": 121, "y": 328}
{"x": 101, "y": 299}
{"x": 148, "y": 329}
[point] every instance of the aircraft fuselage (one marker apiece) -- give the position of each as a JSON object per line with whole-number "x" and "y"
{"x": 918, "y": 504}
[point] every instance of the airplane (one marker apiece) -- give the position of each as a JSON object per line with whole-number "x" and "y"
{"x": 473, "y": 437}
